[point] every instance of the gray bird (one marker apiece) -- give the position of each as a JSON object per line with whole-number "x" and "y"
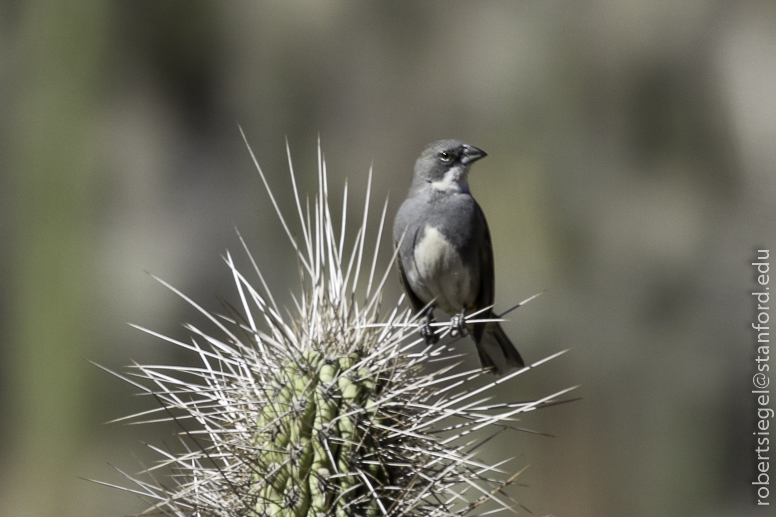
{"x": 445, "y": 254}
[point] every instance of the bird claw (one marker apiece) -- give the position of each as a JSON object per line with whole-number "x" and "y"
{"x": 428, "y": 334}
{"x": 426, "y": 330}
{"x": 458, "y": 325}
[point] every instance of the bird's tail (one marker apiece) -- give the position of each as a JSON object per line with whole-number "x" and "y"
{"x": 497, "y": 352}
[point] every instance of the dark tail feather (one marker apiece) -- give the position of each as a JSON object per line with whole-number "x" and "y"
{"x": 497, "y": 352}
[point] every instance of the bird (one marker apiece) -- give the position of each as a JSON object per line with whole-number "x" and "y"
{"x": 445, "y": 254}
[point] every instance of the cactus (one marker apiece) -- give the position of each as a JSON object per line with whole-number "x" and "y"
{"x": 339, "y": 412}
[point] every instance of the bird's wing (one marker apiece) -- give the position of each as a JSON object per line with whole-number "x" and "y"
{"x": 416, "y": 303}
{"x": 487, "y": 276}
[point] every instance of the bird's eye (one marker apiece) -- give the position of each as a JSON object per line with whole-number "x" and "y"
{"x": 444, "y": 156}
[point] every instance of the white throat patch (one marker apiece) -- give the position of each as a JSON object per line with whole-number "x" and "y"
{"x": 455, "y": 180}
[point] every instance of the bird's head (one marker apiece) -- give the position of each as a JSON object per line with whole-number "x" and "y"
{"x": 444, "y": 166}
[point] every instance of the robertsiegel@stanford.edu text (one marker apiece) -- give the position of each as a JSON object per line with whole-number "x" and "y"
{"x": 761, "y": 378}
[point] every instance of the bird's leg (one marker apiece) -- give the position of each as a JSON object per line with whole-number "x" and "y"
{"x": 458, "y": 324}
{"x": 426, "y": 331}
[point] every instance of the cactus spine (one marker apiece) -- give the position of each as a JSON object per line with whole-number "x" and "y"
{"x": 336, "y": 413}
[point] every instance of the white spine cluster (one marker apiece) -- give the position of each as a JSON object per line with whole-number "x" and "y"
{"x": 334, "y": 411}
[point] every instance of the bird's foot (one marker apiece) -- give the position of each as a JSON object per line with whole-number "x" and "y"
{"x": 428, "y": 334}
{"x": 427, "y": 331}
{"x": 458, "y": 324}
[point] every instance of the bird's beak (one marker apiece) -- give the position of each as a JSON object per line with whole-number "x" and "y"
{"x": 471, "y": 154}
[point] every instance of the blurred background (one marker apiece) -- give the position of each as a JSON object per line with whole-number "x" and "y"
{"x": 630, "y": 176}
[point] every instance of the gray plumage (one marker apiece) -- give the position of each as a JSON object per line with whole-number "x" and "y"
{"x": 445, "y": 252}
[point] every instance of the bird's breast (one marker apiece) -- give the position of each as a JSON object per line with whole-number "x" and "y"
{"x": 441, "y": 273}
